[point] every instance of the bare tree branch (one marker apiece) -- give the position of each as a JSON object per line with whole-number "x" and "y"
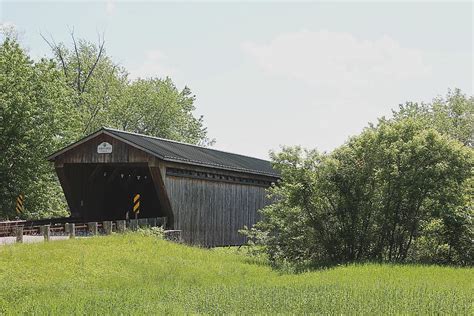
{"x": 97, "y": 108}
{"x": 57, "y": 49}
{"x": 91, "y": 119}
{"x": 99, "y": 55}
{"x": 79, "y": 68}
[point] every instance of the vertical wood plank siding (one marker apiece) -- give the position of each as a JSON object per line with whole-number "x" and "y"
{"x": 87, "y": 153}
{"x": 211, "y": 213}
{"x": 208, "y": 204}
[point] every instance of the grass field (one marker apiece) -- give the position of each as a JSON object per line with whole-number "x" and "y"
{"x": 134, "y": 274}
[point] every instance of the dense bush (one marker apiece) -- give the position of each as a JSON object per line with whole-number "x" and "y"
{"x": 397, "y": 192}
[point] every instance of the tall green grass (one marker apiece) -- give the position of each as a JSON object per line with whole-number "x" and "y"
{"x": 134, "y": 274}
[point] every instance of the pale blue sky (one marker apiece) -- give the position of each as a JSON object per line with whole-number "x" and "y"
{"x": 271, "y": 74}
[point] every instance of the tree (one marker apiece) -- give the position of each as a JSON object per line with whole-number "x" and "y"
{"x": 36, "y": 118}
{"x": 48, "y": 104}
{"x": 106, "y": 97}
{"x": 156, "y": 107}
{"x": 372, "y": 198}
{"x": 98, "y": 83}
{"x": 453, "y": 115}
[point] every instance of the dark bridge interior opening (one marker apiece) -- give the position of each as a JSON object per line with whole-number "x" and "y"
{"x": 105, "y": 191}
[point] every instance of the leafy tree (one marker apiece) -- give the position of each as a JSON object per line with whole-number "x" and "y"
{"x": 373, "y": 198}
{"x": 98, "y": 83}
{"x": 453, "y": 115}
{"x": 156, "y": 107}
{"x": 36, "y": 118}
{"x": 106, "y": 97}
{"x": 50, "y": 103}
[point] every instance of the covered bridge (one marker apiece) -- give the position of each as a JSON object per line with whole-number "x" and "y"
{"x": 207, "y": 194}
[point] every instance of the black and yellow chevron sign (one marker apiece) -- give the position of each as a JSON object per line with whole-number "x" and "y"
{"x": 20, "y": 204}
{"x": 136, "y": 203}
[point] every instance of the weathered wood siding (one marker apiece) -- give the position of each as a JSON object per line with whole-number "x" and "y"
{"x": 208, "y": 204}
{"x": 210, "y": 213}
{"x": 87, "y": 152}
{"x": 96, "y": 197}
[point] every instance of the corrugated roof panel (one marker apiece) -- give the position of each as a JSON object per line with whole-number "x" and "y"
{"x": 187, "y": 153}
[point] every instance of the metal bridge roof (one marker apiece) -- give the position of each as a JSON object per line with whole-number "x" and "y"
{"x": 174, "y": 151}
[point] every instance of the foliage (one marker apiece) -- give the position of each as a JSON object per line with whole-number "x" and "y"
{"x": 157, "y": 232}
{"x": 132, "y": 274}
{"x": 98, "y": 83}
{"x": 48, "y": 104}
{"x": 156, "y": 107}
{"x": 378, "y": 197}
{"x": 106, "y": 97}
{"x": 35, "y": 119}
{"x": 453, "y": 115}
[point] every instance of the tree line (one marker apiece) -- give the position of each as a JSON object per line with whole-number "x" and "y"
{"x": 401, "y": 191}
{"x": 48, "y": 103}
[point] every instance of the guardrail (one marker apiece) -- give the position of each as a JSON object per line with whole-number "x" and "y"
{"x": 30, "y": 226}
{"x": 20, "y": 228}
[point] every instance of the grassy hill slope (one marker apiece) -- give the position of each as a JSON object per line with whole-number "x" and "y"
{"x": 137, "y": 274}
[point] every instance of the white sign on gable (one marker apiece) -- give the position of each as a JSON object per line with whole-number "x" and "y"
{"x": 104, "y": 148}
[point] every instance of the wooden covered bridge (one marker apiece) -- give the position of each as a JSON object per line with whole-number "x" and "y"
{"x": 207, "y": 194}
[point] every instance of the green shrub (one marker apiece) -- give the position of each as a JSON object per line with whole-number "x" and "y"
{"x": 398, "y": 192}
{"x": 158, "y": 232}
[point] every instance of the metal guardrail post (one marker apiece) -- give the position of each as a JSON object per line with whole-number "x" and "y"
{"x": 152, "y": 222}
{"x": 142, "y": 222}
{"x": 72, "y": 230}
{"x": 45, "y": 231}
{"x": 92, "y": 227}
{"x": 133, "y": 224}
{"x": 19, "y": 234}
{"x": 121, "y": 224}
{"x": 107, "y": 227}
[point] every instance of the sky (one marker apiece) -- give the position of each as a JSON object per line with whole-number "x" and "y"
{"x": 268, "y": 74}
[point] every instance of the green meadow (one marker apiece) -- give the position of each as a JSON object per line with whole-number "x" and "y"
{"x": 136, "y": 274}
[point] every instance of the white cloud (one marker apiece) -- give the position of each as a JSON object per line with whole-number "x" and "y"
{"x": 326, "y": 86}
{"x": 110, "y": 6}
{"x": 338, "y": 62}
{"x": 155, "y": 64}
